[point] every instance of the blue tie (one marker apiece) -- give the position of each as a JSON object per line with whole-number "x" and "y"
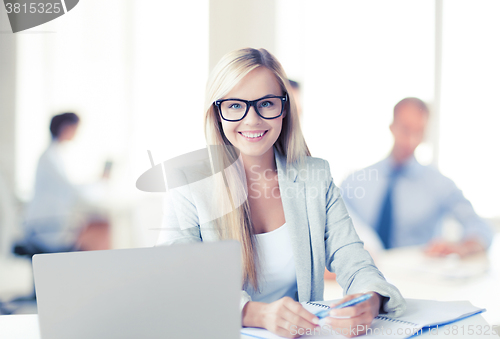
{"x": 385, "y": 222}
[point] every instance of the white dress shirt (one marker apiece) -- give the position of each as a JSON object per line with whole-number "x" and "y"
{"x": 53, "y": 217}
{"x": 422, "y": 198}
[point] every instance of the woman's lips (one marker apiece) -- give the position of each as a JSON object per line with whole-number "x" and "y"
{"x": 252, "y": 139}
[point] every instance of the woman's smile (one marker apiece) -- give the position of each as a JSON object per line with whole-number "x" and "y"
{"x": 253, "y": 136}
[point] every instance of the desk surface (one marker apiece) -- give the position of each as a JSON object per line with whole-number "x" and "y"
{"x": 475, "y": 279}
{"x": 25, "y": 326}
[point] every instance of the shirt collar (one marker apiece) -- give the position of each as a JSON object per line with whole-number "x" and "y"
{"x": 410, "y": 168}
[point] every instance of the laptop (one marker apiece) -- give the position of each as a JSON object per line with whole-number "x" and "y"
{"x": 177, "y": 291}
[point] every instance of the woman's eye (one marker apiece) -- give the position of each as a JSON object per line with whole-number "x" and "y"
{"x": 235, "y": 106}
{"x": 266, "y": 104}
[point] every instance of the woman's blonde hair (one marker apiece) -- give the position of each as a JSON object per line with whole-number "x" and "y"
{"x": 230, "y": 70}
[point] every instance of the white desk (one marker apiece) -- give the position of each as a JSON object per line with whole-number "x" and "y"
{"x": 476, "y": 279}
{"x": 25, "y": 326}
{"x": 22, "y": 326}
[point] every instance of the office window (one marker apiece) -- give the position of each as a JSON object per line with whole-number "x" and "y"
{"x": 470, "y": 114}
{"x": 136, "y": 78}
{"x": 359, "y": 59}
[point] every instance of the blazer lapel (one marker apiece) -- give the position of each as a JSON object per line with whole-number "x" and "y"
{"x": 294, "y": 206}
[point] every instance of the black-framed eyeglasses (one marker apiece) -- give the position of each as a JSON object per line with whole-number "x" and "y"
{"x": 268, "y": 107}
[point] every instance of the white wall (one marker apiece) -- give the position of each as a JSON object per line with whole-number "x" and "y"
{"x": 470, "y": 111}
{"x": 356, "y": 60}
{"x": 240, "y": 24}
{"x": 7, "y": 134}
{"x": 135, "y": 72}
{"x": 137, "y": 79}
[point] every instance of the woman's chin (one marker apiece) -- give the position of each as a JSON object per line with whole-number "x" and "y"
{"x": 254, "y": 151}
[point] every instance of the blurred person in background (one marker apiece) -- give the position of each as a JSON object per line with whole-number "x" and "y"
{"x": 52, "y": 222}
{"x": 399, "y": 202}
{"x": 295, "y": 91}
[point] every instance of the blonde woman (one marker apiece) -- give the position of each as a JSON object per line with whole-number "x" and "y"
{"x": 292, "y": 222}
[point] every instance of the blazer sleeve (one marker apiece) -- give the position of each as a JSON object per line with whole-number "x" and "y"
{"x": 345, "y": 255}
{"x": 180, "y": 224}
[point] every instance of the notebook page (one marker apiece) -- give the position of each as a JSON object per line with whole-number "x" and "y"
{"x": 419, "y": 314}
{"x": 252, "y": 332}
{"x": 325, "y": 331}
{"x": 431, "y": 312}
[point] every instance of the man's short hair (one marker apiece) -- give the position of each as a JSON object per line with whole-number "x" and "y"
{"x": 412, "y": 101}
{"x": 60, "y": 121}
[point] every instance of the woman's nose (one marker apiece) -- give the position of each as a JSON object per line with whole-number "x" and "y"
{"x": 252, "y": 117}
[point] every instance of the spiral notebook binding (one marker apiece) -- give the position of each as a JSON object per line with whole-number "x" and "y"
{"x": 381, "y": 317}
{"x": 316, "y": 304}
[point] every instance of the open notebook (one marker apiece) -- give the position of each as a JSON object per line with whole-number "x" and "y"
{"x": 420, "y": 315}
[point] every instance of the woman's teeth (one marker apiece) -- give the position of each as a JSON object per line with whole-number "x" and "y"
{"x": 252, "y": 135}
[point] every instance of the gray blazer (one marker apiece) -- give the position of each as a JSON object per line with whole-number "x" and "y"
{"x": 321, "y": 232}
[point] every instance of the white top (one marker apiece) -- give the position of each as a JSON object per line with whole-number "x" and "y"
{"x": 277, "y": 277}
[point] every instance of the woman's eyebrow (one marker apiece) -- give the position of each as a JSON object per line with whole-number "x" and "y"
{"x": 269, "y": 95}
{"x": 265, "y": 96}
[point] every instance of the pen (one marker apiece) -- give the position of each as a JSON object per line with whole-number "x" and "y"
{"x": 352, "y": 302}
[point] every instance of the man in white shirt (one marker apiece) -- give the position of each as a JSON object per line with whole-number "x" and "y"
{"x": 403, "y": 203}
{"x": 56, "y": 217}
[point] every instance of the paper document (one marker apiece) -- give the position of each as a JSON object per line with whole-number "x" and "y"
{"x": 420, "y": 315}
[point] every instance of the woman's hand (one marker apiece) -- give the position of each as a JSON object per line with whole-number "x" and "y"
{"x": 441, "y": 248}
{"x": 284, "y": 317}
{"x": 355, "y": 319}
